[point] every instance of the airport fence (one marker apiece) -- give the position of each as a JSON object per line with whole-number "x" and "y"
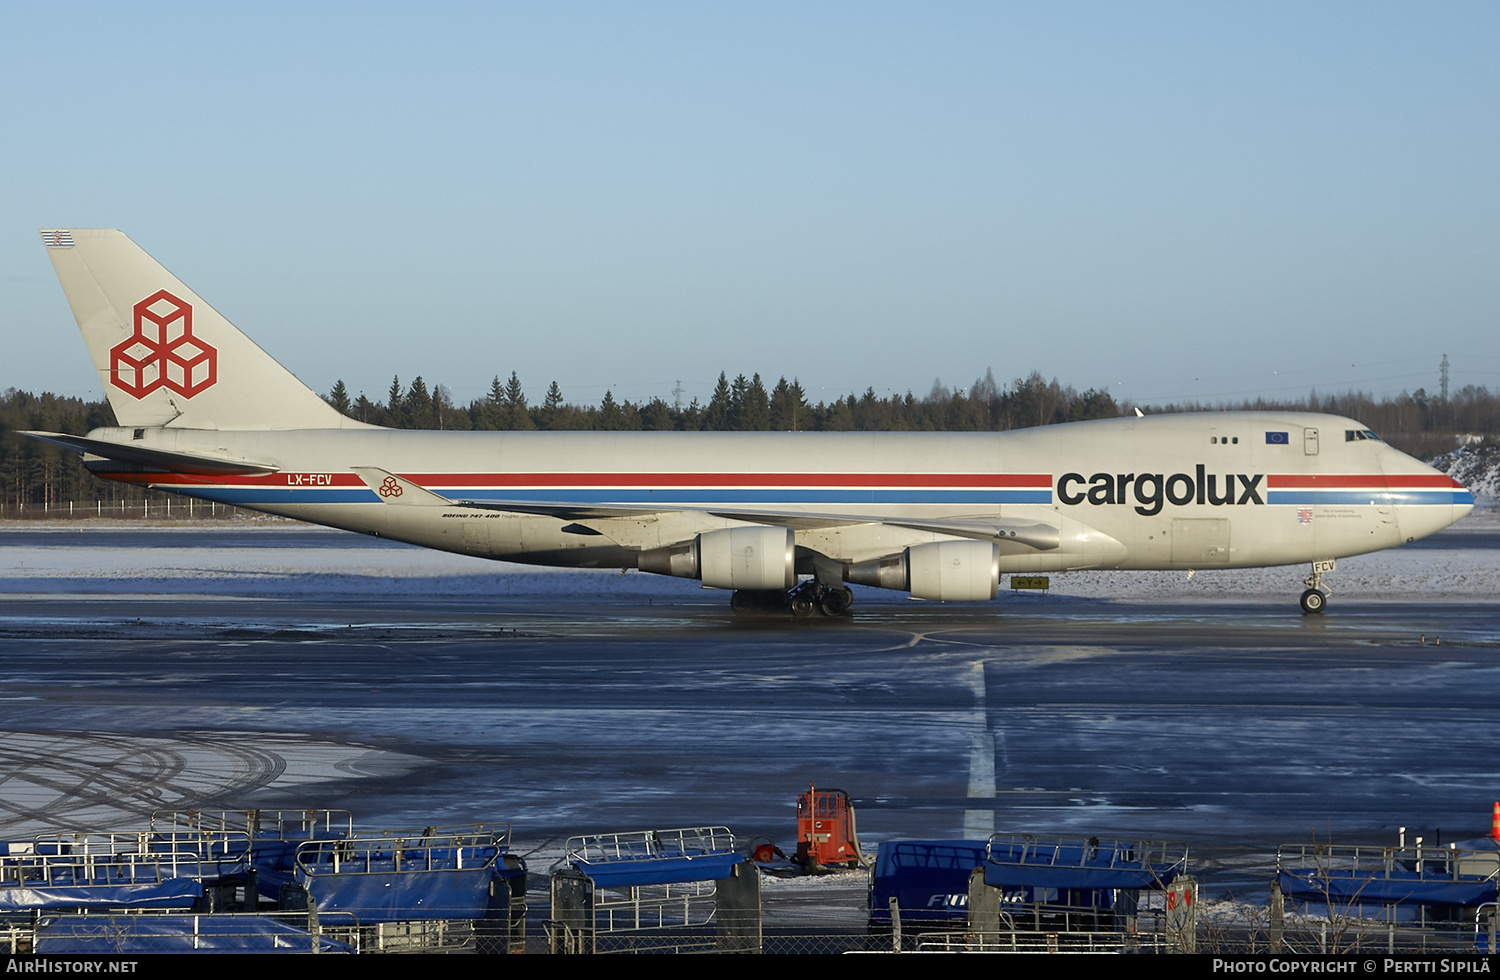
{"x": 167, "y": 508}
{"x": 287, "y": 932}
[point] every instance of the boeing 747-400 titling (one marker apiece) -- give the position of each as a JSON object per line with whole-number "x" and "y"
{"x": 784, "y": 519}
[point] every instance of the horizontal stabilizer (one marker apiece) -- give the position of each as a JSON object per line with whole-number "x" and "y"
{"x": 157, "y": 459}
{"x": 394, "y": 490}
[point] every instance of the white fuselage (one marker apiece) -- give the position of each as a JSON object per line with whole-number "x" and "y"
{"x": 1233, "y": 489}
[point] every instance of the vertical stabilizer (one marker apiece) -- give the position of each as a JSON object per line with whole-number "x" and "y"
{"x": 165, "y": 356}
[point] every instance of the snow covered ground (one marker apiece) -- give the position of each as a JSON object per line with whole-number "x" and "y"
{"x": 265, "y": 559}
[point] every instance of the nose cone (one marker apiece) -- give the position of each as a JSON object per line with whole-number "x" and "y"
{"x": 1425, "y": 499}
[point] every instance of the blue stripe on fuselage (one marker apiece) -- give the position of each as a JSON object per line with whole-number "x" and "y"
{"x": 710, "y": 497}
{"x": 1385, "y": 498}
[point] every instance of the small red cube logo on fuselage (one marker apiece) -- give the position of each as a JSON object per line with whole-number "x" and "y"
{"x": 163, "y": 353}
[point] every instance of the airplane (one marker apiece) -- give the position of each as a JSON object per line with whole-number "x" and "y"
{"x": 784, "y": 520}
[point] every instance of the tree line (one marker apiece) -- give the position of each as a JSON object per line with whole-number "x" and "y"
{"x": 36, "y": 474}
{"x": 741, "y": 405}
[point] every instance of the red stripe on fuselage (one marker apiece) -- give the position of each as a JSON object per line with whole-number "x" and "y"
{"x": 1039, "y": 480}
{"x": 1373, "y": 481}
{"x": 604, "y": 480}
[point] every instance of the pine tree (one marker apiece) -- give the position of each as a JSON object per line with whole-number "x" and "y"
{"x": 393, "y": 404}
{"x": 755, "y": 410}
{"x": 417, "y": 410}
{"x": 515, "y": 404}
{"x": 739, "y": 393}
{"x": 788, "y": 407}
{"x": 656, "y": 415}
{"x": 339, "y": 397}
{"x": 610, "y": 415}
{"x": 716, "y": 416}
{"x": 551, "y": 408}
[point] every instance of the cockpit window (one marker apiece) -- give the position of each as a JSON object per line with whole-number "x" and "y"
{"x": 1359, "y": 435}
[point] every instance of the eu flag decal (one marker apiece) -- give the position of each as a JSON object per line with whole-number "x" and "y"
{"x": 1277, "y": 439}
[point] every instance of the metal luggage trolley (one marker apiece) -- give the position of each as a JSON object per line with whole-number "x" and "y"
{"x": 655, "y": 890}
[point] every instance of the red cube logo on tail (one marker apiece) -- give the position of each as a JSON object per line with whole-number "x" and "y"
{"x": 163, "y": 353}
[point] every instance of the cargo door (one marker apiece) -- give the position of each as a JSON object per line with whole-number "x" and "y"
{"x": 1200, "y": 541}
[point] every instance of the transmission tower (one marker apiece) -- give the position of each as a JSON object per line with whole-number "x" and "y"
{"x": 1443, "y": 376}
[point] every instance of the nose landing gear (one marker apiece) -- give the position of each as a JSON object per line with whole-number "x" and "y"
{"x": 1315, "y": 599}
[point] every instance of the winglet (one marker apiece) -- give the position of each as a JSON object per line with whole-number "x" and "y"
{"x": 392, "y": 489}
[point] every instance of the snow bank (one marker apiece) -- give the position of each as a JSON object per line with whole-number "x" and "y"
{"x": 1477, "y": 467}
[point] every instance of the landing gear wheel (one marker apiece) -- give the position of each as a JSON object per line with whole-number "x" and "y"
{"x": 1314, "y": 601}
{"x": 742, "y": 602}
{"x": 801, "y": 606}
{"x": 834, "y": 602}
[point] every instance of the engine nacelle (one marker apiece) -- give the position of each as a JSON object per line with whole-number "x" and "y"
{"x": 731, "y": 558}
{"x": 953, "y": 571}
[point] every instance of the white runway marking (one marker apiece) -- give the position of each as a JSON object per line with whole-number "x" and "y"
{"x": 979, "y": 824}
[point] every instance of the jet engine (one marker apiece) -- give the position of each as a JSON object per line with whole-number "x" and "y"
{"x": 759, "y": 558}
{"x": 955, "y": 571}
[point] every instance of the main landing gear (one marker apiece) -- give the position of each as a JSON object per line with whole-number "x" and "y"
{"x": 802, "y": 601}
{"x": 1315, "y": 599}
{"x": 813, "y": 596}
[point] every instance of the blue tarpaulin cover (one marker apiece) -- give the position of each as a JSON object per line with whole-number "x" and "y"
{"x": 1099, "y": 865}
{"x": 173, "y": 893}
{"x": 1368, "y": 888}
{"x": 275, "y": 859}
{"x": 403, "y": 896}
{"x": 175, "y": 934}
{"x": 660, "y": 871}
{"x": 928, "y": 878}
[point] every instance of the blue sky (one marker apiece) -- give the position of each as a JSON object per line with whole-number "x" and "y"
{"x": 1170, "y": 200}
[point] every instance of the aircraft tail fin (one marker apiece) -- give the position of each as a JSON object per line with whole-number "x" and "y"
{"x": 166, "y": 357}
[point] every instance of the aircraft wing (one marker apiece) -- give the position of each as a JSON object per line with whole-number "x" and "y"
{"x": 1035, "y": 534}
